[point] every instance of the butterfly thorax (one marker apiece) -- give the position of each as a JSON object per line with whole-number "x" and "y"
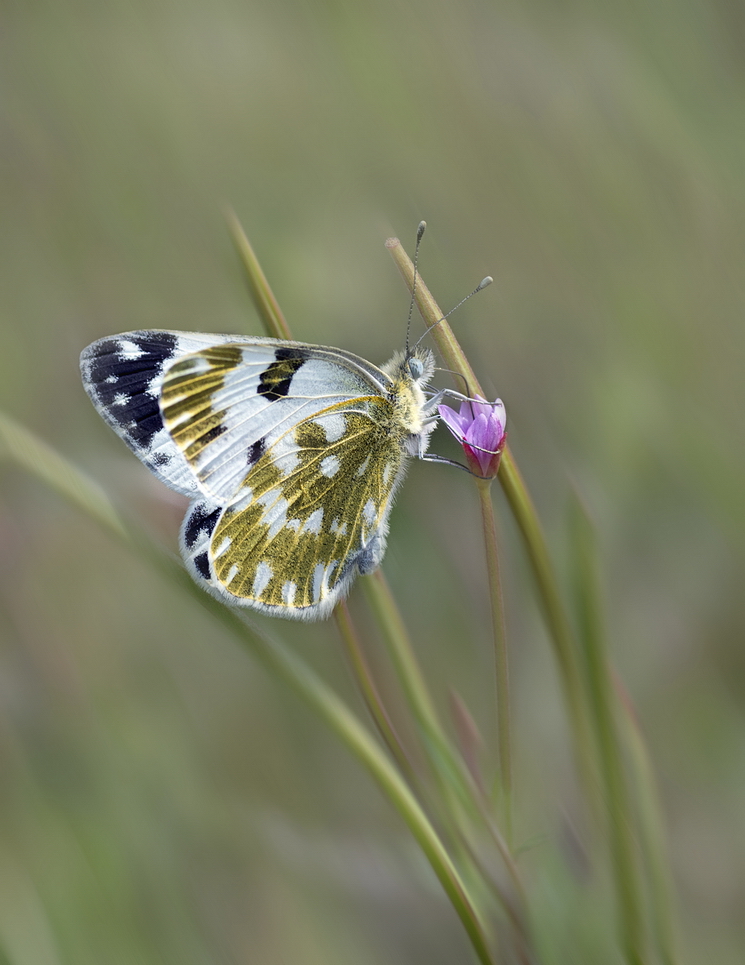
{"x": 409, "y": 373}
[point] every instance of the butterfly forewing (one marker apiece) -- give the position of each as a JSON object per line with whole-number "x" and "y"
{"x": 226, "y": 405}
{"x": 123, "y": 376}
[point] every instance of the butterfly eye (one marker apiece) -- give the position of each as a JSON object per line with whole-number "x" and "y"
{"x": 416, "y": 368}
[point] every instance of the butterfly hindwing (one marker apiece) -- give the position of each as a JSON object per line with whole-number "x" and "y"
{"x": 196, "y": 533}
{"x": 312, "y": 512}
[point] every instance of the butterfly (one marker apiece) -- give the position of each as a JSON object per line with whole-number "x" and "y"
{"x": 290, "y": 453}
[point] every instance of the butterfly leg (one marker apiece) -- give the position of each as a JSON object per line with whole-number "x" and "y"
{"x": 433, "y": 457}
{"x": 437, "y": 398}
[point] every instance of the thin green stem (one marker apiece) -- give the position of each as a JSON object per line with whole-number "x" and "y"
{"x": 294, "y": 672}
{"x": 364, "y": 679}
{"x": 603, "y": 706}
{"x": 41, "y": 460}
{"x": 501, "y": 657}
{"x": 530, "y": 529}
{"x": 33, "y": 454}
{"x": 453, "y": 801}
{"x": 450, "y": 775}
{"x": 652, "y": 845}
{"x": 384, "y": 605}
{"x": 457, "y": 786}
{"x": 556, "y": 618}
{"x": 261, "y": 292}
{"x": 438, "y": 747}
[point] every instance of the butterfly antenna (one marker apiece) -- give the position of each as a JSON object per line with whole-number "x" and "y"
{"x": 484, "y": 283}
{"x": 421, "y": 228}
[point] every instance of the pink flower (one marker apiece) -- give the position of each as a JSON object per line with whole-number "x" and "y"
{"x": 480, "y": 429}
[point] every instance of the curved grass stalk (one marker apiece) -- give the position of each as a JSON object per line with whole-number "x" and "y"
{"x": 603, "y": 707}
{"x": 363, "y": 676}
{"x": 501, "y": 655}
{"x": 439, "y": 750}
{"x": 263, "y": 297}
{"x": 527, "y": 521}
{"x": 39, "y": 458}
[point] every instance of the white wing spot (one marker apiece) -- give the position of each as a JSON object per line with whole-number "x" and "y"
{"x": 313, "y": 522}
{"x": 326, "y": 576}
{"x": 111, "y": 379}
{"x": 369, "y": 512}
{"x": 121, "y": 399}
{"x": 288, "y": 593}
{"x": 130, "y": 350}
{"x": 286, "y": 462}
{"x": 363, "y": 468}
{"x": 293, "y": 524}
{"x": 333, "y": 425}
{"x": 276, "y": 517}
{"x": 222, "y": 547}
{"x": 338, "y": 528}
{"x": 329, "y": 572}
{"x": 198, "y": 365}
{"x": 232, "y": 573}
{"x": 242, "y": 499}
{"x": 387, "y": 473}
{"x": 264, "y": 573}
{"x": 330, "y": 466}
{"x": 182, "y": 418}
{"x": 319, "y": 579}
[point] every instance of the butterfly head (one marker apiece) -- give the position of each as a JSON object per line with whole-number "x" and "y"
{"x": 414, "y": 367}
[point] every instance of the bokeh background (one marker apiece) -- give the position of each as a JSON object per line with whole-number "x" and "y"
{"x": 162, "y": 799}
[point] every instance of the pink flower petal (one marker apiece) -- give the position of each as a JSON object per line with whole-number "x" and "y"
{"x": 479, "y": 427}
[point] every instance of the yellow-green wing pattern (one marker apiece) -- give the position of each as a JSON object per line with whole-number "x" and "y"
{"x": 311, "y": 512}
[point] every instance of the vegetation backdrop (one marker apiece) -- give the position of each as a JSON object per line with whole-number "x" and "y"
{"x": 163, "y": 799}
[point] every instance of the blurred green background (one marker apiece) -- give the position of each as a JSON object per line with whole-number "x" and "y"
{"x": 162, "y": 800}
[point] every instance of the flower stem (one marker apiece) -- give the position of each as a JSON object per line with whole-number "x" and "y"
{"x": 364, "y": 679}
{"x": 409, "y": 674}
{"x": 390, "y": 621}
{"x": 294, "y": 672}
{"x": 501, "y": 658}
{"x": 530, "y": 529}
{"x": 378, "y": 592}
{"x": 603, "y": 707}
{"x": 652, "y": 843}
{"x": 36, "y": 456}
{"x": 556, "y": 619}
{"x": 263, "y": 297}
